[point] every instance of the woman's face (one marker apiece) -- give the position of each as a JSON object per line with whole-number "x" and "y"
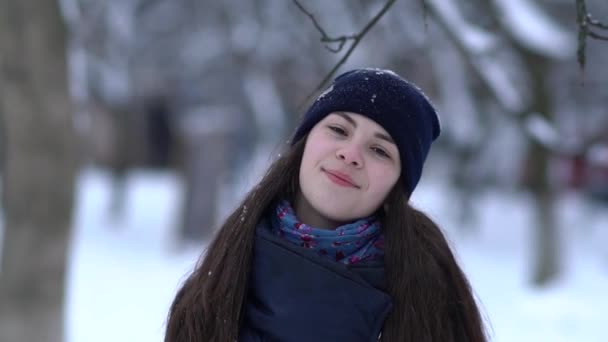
{"x": 349, "y": 165}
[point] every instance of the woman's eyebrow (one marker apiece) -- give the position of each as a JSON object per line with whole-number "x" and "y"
{"x": 354, "y": 123}
{"x": 384, "y": 137}
{"x": 347, "y": 118}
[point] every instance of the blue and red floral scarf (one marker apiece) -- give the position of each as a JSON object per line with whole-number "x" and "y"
{"x": 349, "y": 244}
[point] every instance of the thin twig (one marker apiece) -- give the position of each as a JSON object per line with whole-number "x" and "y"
{"x": 596, "y": 23}
{"x": 585, "y": 22}
{"x": 581, "y": 12}
{"x": 356, "y": 38}
{"x": 597, "y": 35}
{"x": 341, "y": 39}
{"x": 425, "y": 11}
{"x": 312, "y": 17}
{"x": 324, "y": 36}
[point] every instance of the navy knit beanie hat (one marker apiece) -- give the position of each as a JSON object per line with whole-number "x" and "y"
{"x": 397, "y": 105}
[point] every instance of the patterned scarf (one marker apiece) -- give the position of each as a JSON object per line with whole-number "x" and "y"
{"x": 349, "y": 244}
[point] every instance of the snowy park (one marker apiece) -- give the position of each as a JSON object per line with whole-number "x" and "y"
{"x": 130, "y": 130}
{"x": 124, "y": 274}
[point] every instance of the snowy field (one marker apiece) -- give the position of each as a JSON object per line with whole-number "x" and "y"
{"x": 124, "y": 272}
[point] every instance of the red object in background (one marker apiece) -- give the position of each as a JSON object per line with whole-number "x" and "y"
{"x": 589, "y": 172}
{"x": 577, "y": 172}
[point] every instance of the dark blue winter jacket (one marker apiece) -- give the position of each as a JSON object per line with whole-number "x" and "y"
{"x": 296, "y": 295}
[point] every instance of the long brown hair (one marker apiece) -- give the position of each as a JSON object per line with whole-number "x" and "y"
{"x": 432, "y": 300}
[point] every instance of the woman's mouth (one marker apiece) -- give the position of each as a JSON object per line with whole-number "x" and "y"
{"x": 340, "y": 178}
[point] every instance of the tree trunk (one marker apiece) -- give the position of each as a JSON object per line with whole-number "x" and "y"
{"x": 545, "y": 265}
{"x": 205, "y": 139}
{"x": 39, "y": 170}
{"x": 545, "y": 239}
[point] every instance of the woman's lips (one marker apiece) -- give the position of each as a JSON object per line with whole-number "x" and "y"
{"x": 340, "y": 178}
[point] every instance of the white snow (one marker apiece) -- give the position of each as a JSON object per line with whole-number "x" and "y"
{"x": 534, "y": 29}
{"x": 474, "y": 38}
{"x": 124, "y": 272}
{"x": 501, "y": 83}
{"x": 482, "y": 48}
{"x": 380, "y": 71}
{"x": 542, "y": 130}
{"x": 326, "y": 91}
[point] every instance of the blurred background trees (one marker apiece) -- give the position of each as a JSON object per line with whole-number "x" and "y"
{"x": 38, "y": 173}
{"x": 199, "y": 86}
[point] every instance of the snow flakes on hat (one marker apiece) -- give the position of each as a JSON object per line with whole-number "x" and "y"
{"x": 327, "y": 91}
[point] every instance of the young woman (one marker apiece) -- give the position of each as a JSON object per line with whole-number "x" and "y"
{"x": 326, "y": 247}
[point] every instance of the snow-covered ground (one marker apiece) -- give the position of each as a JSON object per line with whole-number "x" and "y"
{"x": 124, "y": 272}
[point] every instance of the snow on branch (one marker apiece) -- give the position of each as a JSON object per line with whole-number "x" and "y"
{"x": 542, "y": 131}
{"x": 477, "y": 47}
{"x": 355, "y": 38}
{"x": 537, "y": 127}
{"x": 476, "y": 40}
{"x": 596, "y": 23}
{"x": 534, "y": 29}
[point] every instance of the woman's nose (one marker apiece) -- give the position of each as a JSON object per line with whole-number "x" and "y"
{"x": 350, "y": 155}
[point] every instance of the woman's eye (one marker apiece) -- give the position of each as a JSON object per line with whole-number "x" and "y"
{"x": 338, "y": 130}
{"x": 380, "y": 152}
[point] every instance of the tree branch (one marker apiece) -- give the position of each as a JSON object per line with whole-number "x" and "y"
{"x": 474, "y": 58}
{"x": 324, "y": 37}
{"x": 596, "y": 23}
{"x": 581, "y": 15}
{"x": 596, "y": 35}
{"x": 425, "y": 11}
{"x": 356, "y": 39}
{"x": 312, "y": 17}
{"x": 585, "y": 21}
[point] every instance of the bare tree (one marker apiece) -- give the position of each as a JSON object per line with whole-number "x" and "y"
{"x": 39, "y": 170}
{"x": 513, "y": 66}
{"x": 341, "y": 41}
